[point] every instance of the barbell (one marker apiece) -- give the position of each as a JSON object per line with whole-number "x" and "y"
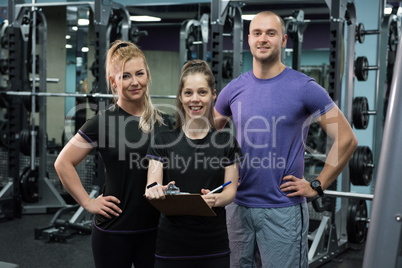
{"x": 361, "y": 33}
{"x": 65, "y": 95}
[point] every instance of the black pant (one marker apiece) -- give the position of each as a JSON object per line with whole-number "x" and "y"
{"x": 123, "y": 250}
{"x": 218, "y": 262}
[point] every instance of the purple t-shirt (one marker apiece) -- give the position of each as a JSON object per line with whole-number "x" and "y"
{"x": 271, "y": 117}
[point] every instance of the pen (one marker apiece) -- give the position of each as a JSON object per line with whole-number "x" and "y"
{"x": 220, "y": 187}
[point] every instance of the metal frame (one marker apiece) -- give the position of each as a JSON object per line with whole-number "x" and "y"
{"x": 337, "y": 10}
{"x": 342, "y": 214}
{"x": 295, "y": 27}
{"x": 337, "y": 230}
{"x": 381, "y": 79}
{"x": 102, "y": 9}
{"x": 220, "y": 9}
{"x": 18, "y": 77}
{"x": 202, "y": 30}
{"x": 49, "y": 197}
{"x": 384, "y": 239}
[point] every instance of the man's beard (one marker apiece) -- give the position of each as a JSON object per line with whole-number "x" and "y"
{"x": 271, "y": 58}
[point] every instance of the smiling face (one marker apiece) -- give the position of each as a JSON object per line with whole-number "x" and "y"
{"x": 266, "y": 38}
{"x": 196, "y": 96}
{"x": 131, "y": 84}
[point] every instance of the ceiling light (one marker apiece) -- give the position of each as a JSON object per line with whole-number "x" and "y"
{"x": 84, "y": 49}
{"x": 144, "y": 18}
{"x": 387, "y": 10}
{"x": 68, "y": 36}
{"x": 248, "y": 17}
{"x": 74, "y": 28}
{"x": 69, "y": 46}
{"x": 83, "y": 22}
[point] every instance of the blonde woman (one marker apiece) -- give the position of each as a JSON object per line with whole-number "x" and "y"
{"x": 124, "y": 229}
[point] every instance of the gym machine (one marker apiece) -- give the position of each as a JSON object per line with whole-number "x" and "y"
{"x": 383, "y": 246}
{"x": 194, "y": 39}
{"x": 60, "y": 229}
{"x": 337, "y": 229}
{"x": 295, "y": 26}
{"x": 362, "y": 165}
{"x": 387, "y": 49}
{"x": 327, "y": 234}
{"x": 26, "y": 31}
{"x": 231, "y": 67}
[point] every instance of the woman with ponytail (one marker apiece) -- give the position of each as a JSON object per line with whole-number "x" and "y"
{"x": 124, "y": 229}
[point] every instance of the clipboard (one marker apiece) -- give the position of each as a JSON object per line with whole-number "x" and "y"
{"x": 183, "y": 204}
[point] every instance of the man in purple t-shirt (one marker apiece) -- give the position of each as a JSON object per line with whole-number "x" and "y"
{"x": 271, "y": 107}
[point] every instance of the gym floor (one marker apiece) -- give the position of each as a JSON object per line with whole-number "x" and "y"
{"x": 18, "y": 246}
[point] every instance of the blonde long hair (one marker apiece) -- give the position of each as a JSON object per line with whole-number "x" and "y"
{"x": 119, "y": 53}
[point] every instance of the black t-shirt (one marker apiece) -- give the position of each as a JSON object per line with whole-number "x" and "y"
{"x": 122, "y": 145}
{"x": 194, "y": 165}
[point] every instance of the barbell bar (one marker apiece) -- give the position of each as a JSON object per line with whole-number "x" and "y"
{"x": 331, "y": 193}
{"x": 95, "y": 95}
{"x": 48, "y": 80}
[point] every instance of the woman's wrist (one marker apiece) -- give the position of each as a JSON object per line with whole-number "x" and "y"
{"x": 152, "y": 185}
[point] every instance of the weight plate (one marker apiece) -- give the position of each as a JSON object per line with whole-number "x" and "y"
{"x": 360, "y": 36}
{"x": 25, "y": 144}
{"x": 4, "y": 66}
{"x": 361, "y": 68}
{"x": 360, "y": 166}
{"x": 366, "y": 162}
{"x": 190, "y": 42}
{"x": 353, "y": 167}
{"x": 393, "y": 36}
{"x": 4, "y": 134}
{"x": 356, "y": 225}
{"x": 360, "y": 115}
{"x": 25, "y": 141}
{"x": 227, "y": 67}
{"x": 29, "y": 185}
{"x": 364, "y": 112}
